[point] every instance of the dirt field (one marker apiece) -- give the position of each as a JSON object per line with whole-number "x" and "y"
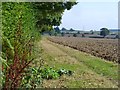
{"x": 103, "y": 48}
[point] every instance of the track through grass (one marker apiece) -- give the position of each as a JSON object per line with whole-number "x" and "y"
{"x": 89, "y": 71}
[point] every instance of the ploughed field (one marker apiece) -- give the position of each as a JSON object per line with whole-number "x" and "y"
{"x": 104, "y": 48}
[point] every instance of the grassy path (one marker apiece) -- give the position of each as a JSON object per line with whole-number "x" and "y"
{"x": 89, "y": 71}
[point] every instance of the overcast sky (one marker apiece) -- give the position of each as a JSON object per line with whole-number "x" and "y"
{"x": 91, "y": 15}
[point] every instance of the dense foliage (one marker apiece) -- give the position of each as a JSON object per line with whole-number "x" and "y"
{"x": 104, "y": 31}
{"x": 22, "y": 23}
{"x": 49, "y": 14}
{"x": 19, "y": 34}
{"x": 34, "y": 79}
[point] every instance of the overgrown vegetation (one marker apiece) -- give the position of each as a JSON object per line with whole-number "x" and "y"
{"x": 19, "y": 35}
{"x": 34, "y": 79}
{"x": 22, "y": 23}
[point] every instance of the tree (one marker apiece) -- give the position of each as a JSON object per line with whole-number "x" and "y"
{"x": 50, "y": 13}
{"x": 72, "y": 29}
{"x": 91, "y": 31}
{"x": 57, "y": 30}
{"x": 63, "y": 29}
{"x": 104, "y": 31}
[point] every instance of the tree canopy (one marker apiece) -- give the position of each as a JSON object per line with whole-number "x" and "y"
{"x": 104, "y": 31}
{"x": 50, "y": 13}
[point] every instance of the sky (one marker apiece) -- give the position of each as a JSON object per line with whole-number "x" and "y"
{"x": 91, "y": 15}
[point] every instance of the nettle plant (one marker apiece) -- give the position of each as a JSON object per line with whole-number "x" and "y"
{"x": 18, "y": 37}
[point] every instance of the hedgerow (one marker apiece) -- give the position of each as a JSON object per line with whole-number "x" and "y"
{"x": 18, "y": 36}
{"x": 22, "y": 23}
